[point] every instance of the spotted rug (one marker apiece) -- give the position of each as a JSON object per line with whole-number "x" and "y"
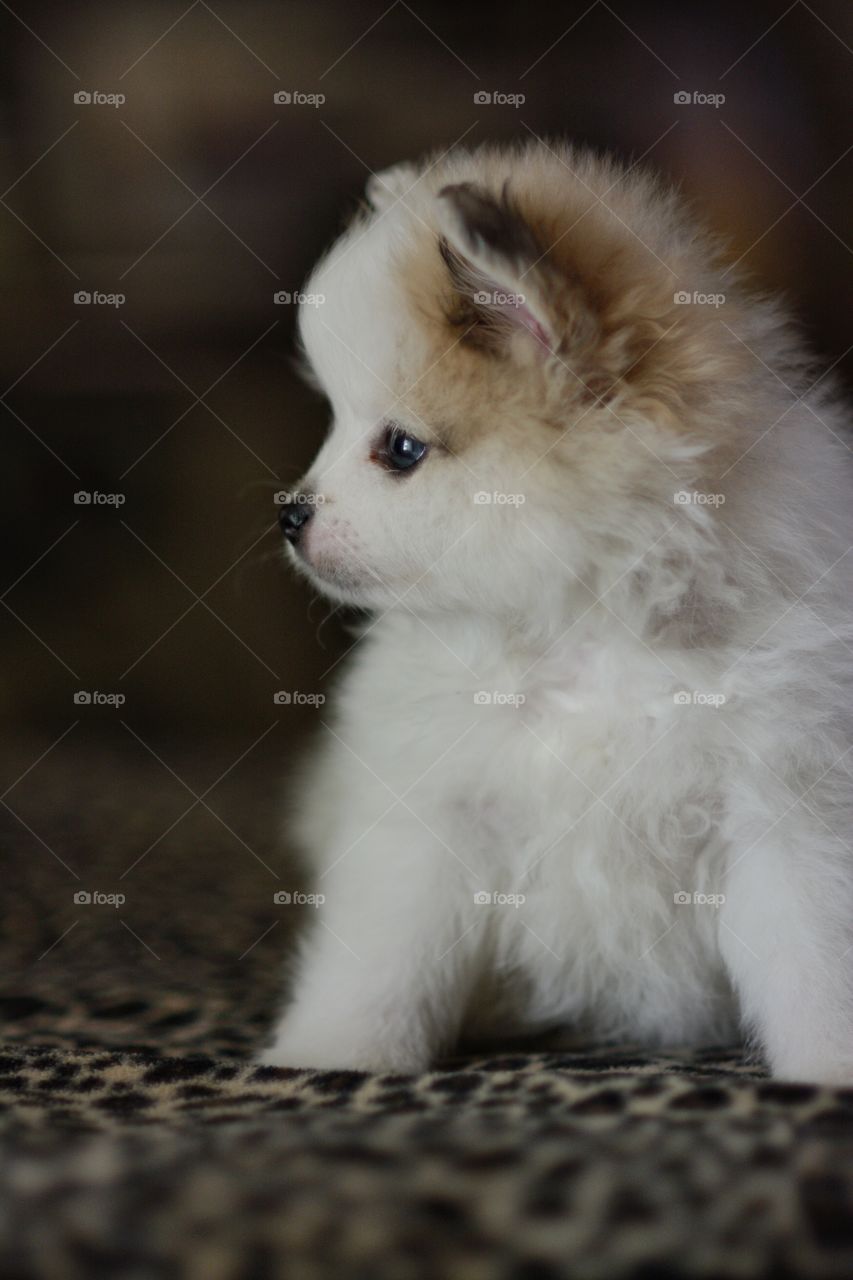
{"x": 138, "y": 1140}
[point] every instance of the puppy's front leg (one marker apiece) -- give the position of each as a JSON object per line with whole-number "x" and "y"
{"x": 787, "y": 940}
{"x": 386, "y": 970}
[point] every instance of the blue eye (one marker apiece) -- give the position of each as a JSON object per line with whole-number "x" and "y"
{"x": 400, "y": 451}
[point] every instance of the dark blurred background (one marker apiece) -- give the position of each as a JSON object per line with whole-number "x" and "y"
{"x": 103, "y": 198}
{"x": 198, "y": 198}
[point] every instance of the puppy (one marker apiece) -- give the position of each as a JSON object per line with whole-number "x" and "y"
{"x": 589, "y": 764}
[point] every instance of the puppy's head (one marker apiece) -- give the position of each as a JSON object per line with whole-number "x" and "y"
{"x": 515, "y": 392}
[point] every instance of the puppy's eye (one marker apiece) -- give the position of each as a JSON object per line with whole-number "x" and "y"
{"x": 400, "y": 451}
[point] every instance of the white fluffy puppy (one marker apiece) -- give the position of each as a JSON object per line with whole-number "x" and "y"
{"x": 589, "y": 762}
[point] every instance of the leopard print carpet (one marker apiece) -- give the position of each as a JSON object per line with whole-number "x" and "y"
{"x": 138, "y": 1140}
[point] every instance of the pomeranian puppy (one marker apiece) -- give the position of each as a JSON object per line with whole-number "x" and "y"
{"x": 589, "y": 765}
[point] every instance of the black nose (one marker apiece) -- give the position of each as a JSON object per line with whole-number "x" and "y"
{"x": 294, "y": 515}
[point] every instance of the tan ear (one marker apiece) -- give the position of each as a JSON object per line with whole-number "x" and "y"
{"x": 496, "y": 263}
{"x": 385, "y": 188}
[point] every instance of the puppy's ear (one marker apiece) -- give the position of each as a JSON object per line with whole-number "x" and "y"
{"x": 385, "y": 188}
{"x": 497, "y": 267}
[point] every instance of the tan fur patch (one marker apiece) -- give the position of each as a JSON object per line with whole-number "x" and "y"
{"x": 615, "y": 251}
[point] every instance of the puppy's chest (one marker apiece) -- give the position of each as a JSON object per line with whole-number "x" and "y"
{"x": 503, "y": 767}
{"x": 519, "y": 778}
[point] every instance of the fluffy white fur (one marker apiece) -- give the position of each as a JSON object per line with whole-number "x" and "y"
{"x": 584, "y": 785}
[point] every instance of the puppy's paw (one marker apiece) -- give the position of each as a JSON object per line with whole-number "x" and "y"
{"x": 324, "y": 1056}
{"x": 832, "y": 1074}
{"x": 275, "y": 1056}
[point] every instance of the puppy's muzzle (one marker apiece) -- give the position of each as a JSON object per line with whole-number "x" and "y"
{"x": 294, "y": 516}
